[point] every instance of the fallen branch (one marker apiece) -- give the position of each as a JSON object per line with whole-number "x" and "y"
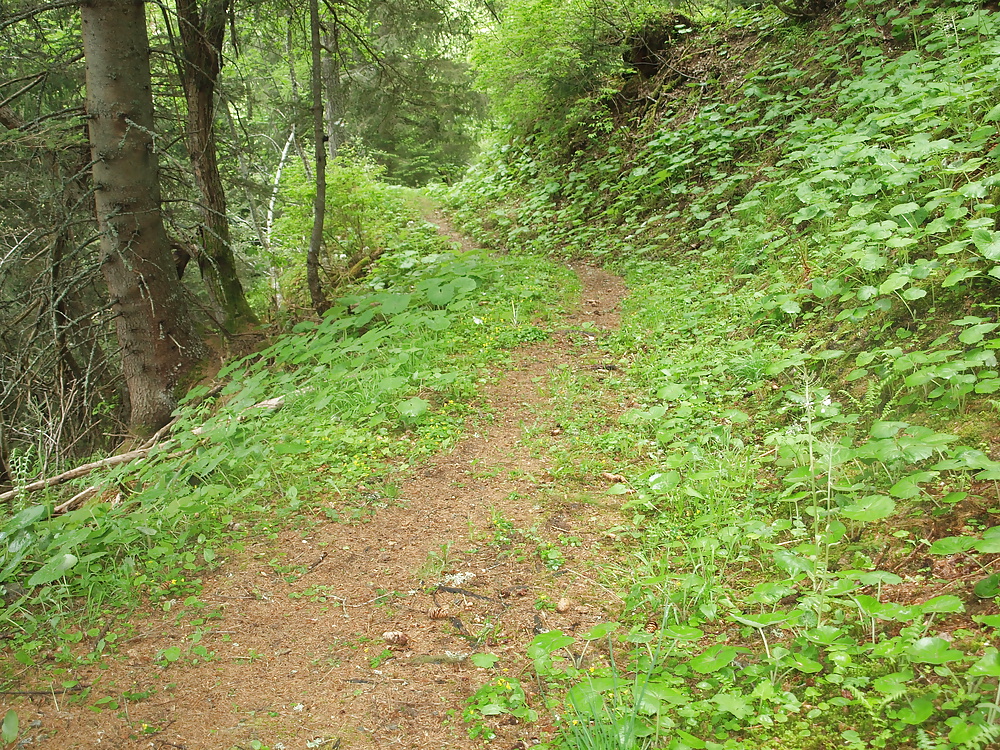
{"x": 78, "y": 499}
{"x": 81, "y": 471}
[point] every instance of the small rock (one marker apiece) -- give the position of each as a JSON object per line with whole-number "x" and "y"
{"x": 564, "y": 605}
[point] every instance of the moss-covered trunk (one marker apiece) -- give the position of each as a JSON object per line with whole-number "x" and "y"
{"x": 202, "y": 32}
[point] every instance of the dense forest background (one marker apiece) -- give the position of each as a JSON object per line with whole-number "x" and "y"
{"x": 233, "y": 132}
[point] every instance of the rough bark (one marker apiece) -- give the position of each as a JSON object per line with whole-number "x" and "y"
{"x": 334, "y": 96}
{"x": 202, "y": 31}
{"x": 316, "y": 295}
{"x": 159, "y": 344}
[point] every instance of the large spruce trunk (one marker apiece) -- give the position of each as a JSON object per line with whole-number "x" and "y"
{"x": 159, "y": 343}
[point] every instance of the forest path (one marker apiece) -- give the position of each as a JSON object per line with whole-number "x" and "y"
{"x": 481, "y": 548}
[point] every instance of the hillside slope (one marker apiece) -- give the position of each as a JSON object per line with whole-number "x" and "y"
{"x": 807, "y": 217}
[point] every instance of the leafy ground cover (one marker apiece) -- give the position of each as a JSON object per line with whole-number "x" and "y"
{"x": 795, "y": 424}
{"x": 319, "y": 423}
{"x": 809, "y": 231}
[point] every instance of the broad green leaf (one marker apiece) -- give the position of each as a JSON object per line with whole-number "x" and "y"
{"x": 989, "y": 544}
{"x": 664, "y": 693}
{"x": 439, "y": 294}
{"x": 905, "y": 488}
{"x": 771, "y": 592}
{"x": 992, "y": 115}
{"x": 988, "y": 385}
{"x": 952, "y": 247}
{"x": 974, "y": 334}
{"x": 55, "y": 567}
{"x": 903, "y": 208}
{"x": 737, "y": 705}
{"x": 988, "y": 587}
{"x": 824, "y": 635}
{"x": 393, "y": 383}
{"x": 439, "y": 322}
{"x": 546, "y": 643}
{"x": 713, "y": 659}
{"x": 900, "y": 612}
{"x": 11, "y": 726}
{"x": 639, "y": 637}
{"x": 872, "y": 262}
{"x": 871, "y": 508}
{"x": 882, "y": 430}
{"x": 823, "y": 288}
{"x": 828, "y": 354}
{"x": 968, "y": 320}
{"x": 766, "y": 619}
{"x": 690, "y": 740}
{"x": 464, "y": 284}
{"x": 914, "y": 293}
{"x": 393, "y": 304}
{"x": 283, "y": 449}
{"x": 792, "y": 563}
{"x": 413, "y": 407}
{"x": 835, "y": 531}
{"x": 803, "y": 663}
{"x": 932, "y": 650}
{"x": 671, "y": 392}
{"x": 988, "y": 664}
{"x": 868, "y": 604}
{"x": 894, "y": 282}
{"x": 944, "y": 604}
{"x": 952, "y": 545}
{"x": 664, "y": 481}
{"x": 601, "y": 630}
{"x": 987, "y": 242}
{"x": 919, "y": 711}
{"x": 964, "y": 733}
{"x": 484, "y": 661}
{"x": 958, "y": 276}
{"x": 682, "y": 633}
{"x": 23, "y": 519}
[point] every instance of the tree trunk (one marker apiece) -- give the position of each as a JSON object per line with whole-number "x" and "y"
{"x": 202, "y": 32}
{"x": 334, "y": 100}
{"x": 318, "y": 298}
{"x": 159, "y": 345}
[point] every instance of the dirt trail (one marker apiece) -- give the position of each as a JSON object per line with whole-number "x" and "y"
{"x": 305, "y": 664}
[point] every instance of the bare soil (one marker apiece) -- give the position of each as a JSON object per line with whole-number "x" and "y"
{"x": 299, "y": 629}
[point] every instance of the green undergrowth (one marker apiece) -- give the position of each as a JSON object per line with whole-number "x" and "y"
{"x": 315, "y": 427}
{"x": 809, "y": 461}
